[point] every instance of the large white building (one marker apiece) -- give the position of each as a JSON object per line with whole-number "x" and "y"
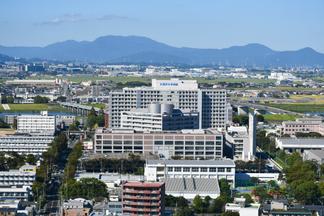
{"x": 299, "y": 144}
{"x": 158, "y": 117}
{"x": 25, "y": 176}
{"x": 25, "y": 144}
{"x": 16, "y": 184}
{"x": 36, "y": 124}
{"x": 242, "y": 140}
{"x": 193, "y": 144}
{"x": 207, "y": 169}
{"x": 184, "y": 94}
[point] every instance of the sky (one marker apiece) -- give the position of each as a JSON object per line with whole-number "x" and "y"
{"x": 278, "y": 24}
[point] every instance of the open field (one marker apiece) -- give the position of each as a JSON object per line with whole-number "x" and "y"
{"x": 308, "y": 99}
{"x": 124, "y": 79}
{"x": 35, "y": 107}
{"x": 279, "y": 117}
{"x": 6, "y": 131}
{"x": 301, "y": 108}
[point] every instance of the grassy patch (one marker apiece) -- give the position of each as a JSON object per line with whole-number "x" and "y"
{"x": 280, "y": 117}
{"x": 35, "y": 107}
{"x": 97, "y": 105}
{"x": 301, "y": 108}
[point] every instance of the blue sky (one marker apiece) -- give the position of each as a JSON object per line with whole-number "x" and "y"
{"x": 279, "y": 24}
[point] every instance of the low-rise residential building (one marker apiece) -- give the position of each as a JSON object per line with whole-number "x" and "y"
{"x": 143, "y": 198}
{"x": 158, "y": 117}
{"x": 299, "y": 144}
{"x": 204, "y": 169}
{"x": 77, "y": 207}
{"x": 303, "y": 125}
{"x": 193, "y": 144}
{"x": 25, "y": 144}
{"x": 43, "y": 124}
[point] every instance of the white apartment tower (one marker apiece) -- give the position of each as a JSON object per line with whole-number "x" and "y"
{"x": 252, "y": 136}
{"x": 183, "y": 94}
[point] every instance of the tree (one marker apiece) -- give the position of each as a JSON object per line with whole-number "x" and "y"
{"x": 197, "y": 204}
{"x": 309, "y": 134}
{"x": 307, "y": 192}
{"x": 217, "y": 205}
{"x": 184, "y": 212}
{"x": 3, "y": 124}
{"x": 31, "y": 159}
{"x": 206, "y": 204}
{"x": 225, "y": 188}
{"x": 241, "y": 119}
{"x": 260, "y": 118}
{"x": 40, "y": 100}
{"x": 230, "y": 213}
{"x": 248, "y": 199}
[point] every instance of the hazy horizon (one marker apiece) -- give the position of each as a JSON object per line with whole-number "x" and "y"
{"x": 279, "y": 25}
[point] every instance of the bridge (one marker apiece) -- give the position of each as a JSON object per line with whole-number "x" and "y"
{"x": 79, "y": 108}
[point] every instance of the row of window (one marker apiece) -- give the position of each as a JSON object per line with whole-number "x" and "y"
{"x": 199, "y": 169}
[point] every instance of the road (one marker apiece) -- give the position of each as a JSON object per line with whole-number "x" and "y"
{"x": 270, "y": 160}
{"x": 264, "y": 107}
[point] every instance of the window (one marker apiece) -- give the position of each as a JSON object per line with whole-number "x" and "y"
{"x": 177, "y": 169}
{"x": 228, "y": 169}
{"x": 212, "y": 169}
{"x": 170, "y": 169}
{"x": 221, "y": 169}
{"x": 203, "y": 169}
{"x": 186, "y": 169}
{"x": 194, "y": 169}
{"x": 168, "y": 142}
{"x": 158, "y": 142}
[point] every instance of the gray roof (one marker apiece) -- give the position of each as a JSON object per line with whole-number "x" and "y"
{"x": 193, "y": 162}
{"x": 318, "y": 153}
{"x": 189, "y": 185}
{"x": 302, "y": 141}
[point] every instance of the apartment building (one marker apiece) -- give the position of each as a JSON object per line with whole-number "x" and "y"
{"x": 184, "y": 94}
{"x": 303, "y": 125}
{"x": 25, "y": 144}
{"x": 25, "y": 176}
{"x": 158, "y": 117}
{"x": 36, "y": 124}
{"x": 143, "y": 198}
{"x": 190, "y": 144}
{"x": 156, "y": 170}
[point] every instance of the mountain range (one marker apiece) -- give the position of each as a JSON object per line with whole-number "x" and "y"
{"x": 136, "y": 50}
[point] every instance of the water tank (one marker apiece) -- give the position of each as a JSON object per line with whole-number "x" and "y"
{"x": 155, "y": 108}
{"x": 167, "y": 108}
